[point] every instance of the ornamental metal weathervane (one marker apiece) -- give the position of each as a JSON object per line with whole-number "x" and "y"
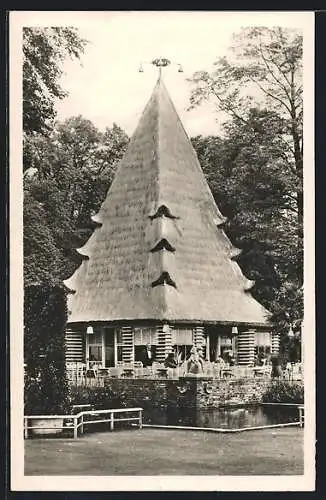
{"x": 160, "y": 62}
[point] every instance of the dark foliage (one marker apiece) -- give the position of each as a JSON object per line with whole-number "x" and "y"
{"x": 256, "y": 169}
{"x": 284, "y": 392}
{"x": 45, "y": 315}
{"x": 100, "y": 398}
{"x": 44, "y": 51}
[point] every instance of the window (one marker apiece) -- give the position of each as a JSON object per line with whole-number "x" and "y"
{"x": 95, "y": 346}
{"x": 227, "y": 348}
{"x": 182, "y": 341}
{"x": 142, "y": 337}
{"x": 109, "y": 347}
{"x": 263, "y": 346}
{"x": 119, "y": 345}
{"x": 182, "y": 352}
{"x": 263, "y": 338}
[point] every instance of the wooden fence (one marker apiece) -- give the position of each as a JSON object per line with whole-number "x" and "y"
{"x": 78, "y": 422}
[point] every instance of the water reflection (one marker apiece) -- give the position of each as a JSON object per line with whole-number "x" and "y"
{"x": 223, "y": 418}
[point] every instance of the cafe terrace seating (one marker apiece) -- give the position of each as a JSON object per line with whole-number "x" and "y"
{"x": 81, "y": 374}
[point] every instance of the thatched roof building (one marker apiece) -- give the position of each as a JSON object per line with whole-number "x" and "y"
{"x": 160, "y": 253}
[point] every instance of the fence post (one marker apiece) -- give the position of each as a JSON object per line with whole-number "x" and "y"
{"x": 25, "y": 427}
{"x": 301, "y": 415}
{"x": 82, "y": 423}
{"x": 111, "y": 421}
{"x": 140, "y": 419}
{"x": 75, "y": 428}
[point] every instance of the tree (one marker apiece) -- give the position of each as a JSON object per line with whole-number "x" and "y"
{"x": 258, "y": 89}
{"x": 66, "y": 179}
{"x": 266, "y": 70}
{"x": 44, "y": 50}
{"x": 251, "y": 185}
{"x": 45, "y": 314}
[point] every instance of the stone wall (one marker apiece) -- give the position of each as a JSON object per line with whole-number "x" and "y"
{"x": 194, "y": 392}
{"x": 215, "y": 393}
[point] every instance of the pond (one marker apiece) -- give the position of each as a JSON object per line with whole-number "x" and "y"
{"x": 223, "y": 418}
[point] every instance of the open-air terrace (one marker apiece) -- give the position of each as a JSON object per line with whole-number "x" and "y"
{"x": 95, "y": 374}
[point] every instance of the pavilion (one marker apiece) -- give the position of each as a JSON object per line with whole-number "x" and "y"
{"x": 159, "y": 268}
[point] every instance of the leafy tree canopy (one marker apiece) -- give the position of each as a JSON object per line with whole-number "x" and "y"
{"x": 44, "y": 51}
{"x": 255, "y": 168}
{"x": 67, "y": 175}
{"x": 264, "y": 71}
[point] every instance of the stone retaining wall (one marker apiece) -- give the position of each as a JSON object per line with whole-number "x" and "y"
{"x": 196, "y": 393}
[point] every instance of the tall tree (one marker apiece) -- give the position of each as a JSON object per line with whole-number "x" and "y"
{"x": 44, "y": 51}
{"x": 66, "y": 179}
{"x": 250, "y": 182}
{"x": 265, "y": 70}
{"x": 259, "y": 162}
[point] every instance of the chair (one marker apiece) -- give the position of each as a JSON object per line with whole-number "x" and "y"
{"x": 103, "y": 372}
{"x": 157, "y": 368}
{"x": 138, "y": 366}
{"x": 147, "y": 372}
{"x": 128, "y": 371}
{"x": 115, "y": 371}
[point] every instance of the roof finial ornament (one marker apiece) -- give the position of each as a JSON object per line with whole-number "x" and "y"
{"x": 160, "y": 62}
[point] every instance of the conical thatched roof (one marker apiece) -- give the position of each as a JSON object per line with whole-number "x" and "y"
{"x": 160, "y": 252}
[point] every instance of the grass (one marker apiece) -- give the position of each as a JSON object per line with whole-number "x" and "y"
{"x": 168, "y": 452}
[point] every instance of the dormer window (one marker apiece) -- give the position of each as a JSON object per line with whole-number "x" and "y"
{"x": 163, "y": 244}
{"x": 164, "y": 279}
{"x": 163, "y": 210}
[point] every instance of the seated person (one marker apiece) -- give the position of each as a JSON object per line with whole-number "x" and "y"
{"x": 194, "y": 363}
{"x": 169, "y": 361}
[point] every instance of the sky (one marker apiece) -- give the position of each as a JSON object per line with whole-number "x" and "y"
{"x": 105, "y": 85}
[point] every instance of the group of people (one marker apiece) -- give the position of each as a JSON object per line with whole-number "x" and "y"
{"x": 194, "y": 364}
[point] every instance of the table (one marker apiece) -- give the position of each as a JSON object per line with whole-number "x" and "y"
{"x": 128, "y": 372}
{"x": 162, "y": 372}
{"x": 261, "y": 371}
{"x": 103, "y": 371}
{"x": 226, "y": 372}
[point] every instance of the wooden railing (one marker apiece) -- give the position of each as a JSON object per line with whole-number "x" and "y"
{"x": 78, "y": 421}
{"x": 301, "y": 415}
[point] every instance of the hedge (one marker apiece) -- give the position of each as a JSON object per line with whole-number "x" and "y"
{"x": 45, "y": 317}
{"x": 284, "y": 392}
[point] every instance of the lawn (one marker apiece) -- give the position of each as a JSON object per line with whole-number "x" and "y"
{"x": 168, "y": 452}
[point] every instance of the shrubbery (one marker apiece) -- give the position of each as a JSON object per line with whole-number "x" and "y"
{"x": 284, "y": 392}
{"x": 45, "y": 314}
{"x": 101, "y": 398}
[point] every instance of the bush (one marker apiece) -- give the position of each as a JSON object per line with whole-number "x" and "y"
{"x": 45, "y": 315}
{"x": 284, "y": 392}
{"x": 101, "y": 398}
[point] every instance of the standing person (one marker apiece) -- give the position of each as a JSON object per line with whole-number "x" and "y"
{"x": 148, "y": 355}
{"x": 276, "y": 367}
